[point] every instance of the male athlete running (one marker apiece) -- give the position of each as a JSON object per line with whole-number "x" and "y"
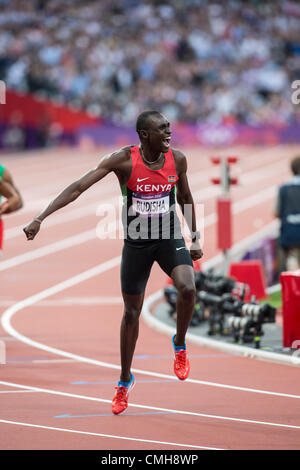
{"x": 148, "y": 175}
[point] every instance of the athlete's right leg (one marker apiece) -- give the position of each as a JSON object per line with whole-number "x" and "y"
{"x": 135, "y": 270}
{"x": 128, "y": 337}
{"x": 136, "y": 264}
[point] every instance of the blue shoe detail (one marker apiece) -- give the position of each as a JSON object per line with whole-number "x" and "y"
{"x": 178, "y": 348}
{"x": 126, "y": 384}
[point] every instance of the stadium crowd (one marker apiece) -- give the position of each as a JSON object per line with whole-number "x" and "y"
{"x": 194, "y": 60}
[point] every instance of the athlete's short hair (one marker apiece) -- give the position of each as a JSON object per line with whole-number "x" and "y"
{"x": 142, "y": 121}
{"x": 295, "y": 165}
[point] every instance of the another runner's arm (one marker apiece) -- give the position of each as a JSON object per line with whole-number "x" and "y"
{"x": 7, "y": 177}
{"x": 107, "y": 164}
{"x": 183, "y": 194}
{"x": 12, "y": 198}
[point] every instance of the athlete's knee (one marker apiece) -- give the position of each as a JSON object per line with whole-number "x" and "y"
{"x": 131, "y": 314}
{"x": 187, "y": 290}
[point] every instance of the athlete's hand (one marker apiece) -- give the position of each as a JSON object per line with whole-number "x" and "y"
{"x": 31, "y": 229}
{"x": 196, "y": 251}
{"x": 4, "y": 207}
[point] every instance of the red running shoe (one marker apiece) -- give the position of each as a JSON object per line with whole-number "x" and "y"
{"x": 181, "y": 363}
{"x": 120, "y": 400}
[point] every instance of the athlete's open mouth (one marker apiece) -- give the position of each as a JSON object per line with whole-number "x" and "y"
{"x": 166, "y": 141}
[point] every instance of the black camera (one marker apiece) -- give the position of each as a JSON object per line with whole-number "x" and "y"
{"x": 170, "y": 293}
{"x": 220, "y": 301}
{"x": 212, "y": 283}
{"x": 247, "y": 327}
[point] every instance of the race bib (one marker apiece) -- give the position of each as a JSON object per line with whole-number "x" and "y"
{"x": 150, "y": 204}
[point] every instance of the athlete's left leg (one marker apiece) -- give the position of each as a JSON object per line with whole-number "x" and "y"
{"x": 184, "y": 280}
{"x": 174, "y": 258}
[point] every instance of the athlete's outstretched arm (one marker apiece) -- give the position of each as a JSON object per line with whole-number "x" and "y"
{"x": 107, "y": 164}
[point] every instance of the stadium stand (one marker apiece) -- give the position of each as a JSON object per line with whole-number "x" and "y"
{"x": 114, "y": 58}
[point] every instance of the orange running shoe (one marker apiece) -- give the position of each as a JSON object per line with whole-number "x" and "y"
{"x": 120, "y": 400}
{"x": 181, "y": 362}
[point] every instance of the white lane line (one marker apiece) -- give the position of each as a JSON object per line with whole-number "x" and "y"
{"x": 229, "y": 348}
{"x": 17, "y": 391}
{"x": 235, "y": 252}
{"x": 198, "y": 177}
{"x": 82, "y": 211}
{"x": 48, "y": 249}
{"x": 71, "y": 214}
{"x": 154, "y": 408}
{"x": 101, "y": 268}
{"x": 70, "y": 301}
{"x": 51, "y": 361}
{"x": 247, "y": 179}
{"x": 110, "y": 436}
{"x": 244, "y": 204}
{"x": 88, "y": 235}
{"x": 85, "y": 210}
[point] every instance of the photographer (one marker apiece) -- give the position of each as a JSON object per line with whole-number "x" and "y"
{"x": 288, "y": 211}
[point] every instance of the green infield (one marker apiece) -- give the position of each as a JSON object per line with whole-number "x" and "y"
{"x": 274, "y": 299}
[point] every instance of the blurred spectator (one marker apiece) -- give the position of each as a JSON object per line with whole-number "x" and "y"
{"x": 14, "y": 135}
{"x": 195, "y": 60}
{"x": 288, "y": 210}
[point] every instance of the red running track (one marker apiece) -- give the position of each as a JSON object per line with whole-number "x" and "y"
{"x": 61, "y": 310}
